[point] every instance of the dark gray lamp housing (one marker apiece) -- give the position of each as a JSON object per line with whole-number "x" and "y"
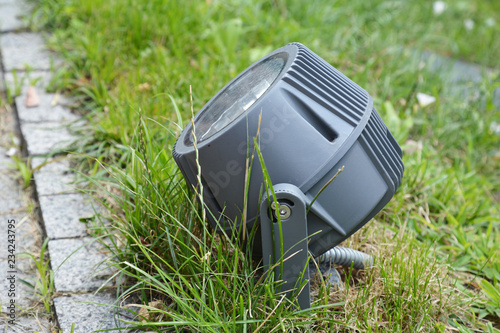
{"x": 314, "y": 121}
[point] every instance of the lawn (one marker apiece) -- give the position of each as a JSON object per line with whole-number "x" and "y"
{"x": 131, "y": 65}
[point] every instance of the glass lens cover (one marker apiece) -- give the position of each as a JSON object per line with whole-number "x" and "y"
{"x": 238, "y": 97}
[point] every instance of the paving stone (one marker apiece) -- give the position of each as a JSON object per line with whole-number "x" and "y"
{"x": 27, "y": 240}
{"x": 56, "y": 164}
{"x": 462, "y": 77}
{"x": 454, "y": 70}
{"x": 54, "y": 177}
{"x": 19, "y": 84}
{"x": 5, "y": 161}
{"x": 45, "y": 111}
{"x": 54, "y": 183}
{"x": 496, "y": 97}
{"x": 89, "y": 313}
{"x": 11, "y": 196}
{"x": 11, "y": 13}
{"x": 44, "y": 138}
{"x": 2, "y": 84}
{"x": 53, "y": 107}
{"x": 27, "y": 235}
{"x": 78, "y": 264}
{"x": 62, "y": 214}
{"x": 26, "y": 50}
{"x": 8, "y": 128}
{"x": 24, "y": 298}
{"x": 26, "y": 325}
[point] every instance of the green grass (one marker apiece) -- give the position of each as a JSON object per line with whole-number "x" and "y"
{"x": 200, "y": 281}
{"x": 43, "y": 286}
{"x": 131, "y": 65}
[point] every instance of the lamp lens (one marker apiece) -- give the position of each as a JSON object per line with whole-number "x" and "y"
{"x": 238, "y": 97}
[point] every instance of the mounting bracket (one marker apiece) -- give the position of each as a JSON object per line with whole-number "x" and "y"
{"x": 284, "y": 240}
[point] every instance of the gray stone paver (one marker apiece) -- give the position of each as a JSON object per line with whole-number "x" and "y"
{"x": 53, "y": 107}
{"x": 5, "y": 161}
{"x": 58, "y": 164}
{"x": 462, "y": 77}
{"x": 43, "y": 138}
{"x": 2, "y": 83}
{"x": 24, "y": 51}
{"x": 10, "y": 15}
{"x": 54, "y": 183}
{"x": 20, "y": 82}
{"x": 90, "y": 312}
{"x": 45, "y": 112}
{"x": 26, "y": 325}
{"x": 41, "y": 80}
{"x": 53, "y": 176}
{"x": 27, "y": 232}
{"x": 78, "y": 264}
{"x": 10, "y": 205}
{"x": 25, "y": 298}
{"x": 455, "y": 71}
{"x": 27, "y": 240}
{"x": 11, "y": 196}
{"x": 8, "y": 125}
{"x": 62, "y": 214}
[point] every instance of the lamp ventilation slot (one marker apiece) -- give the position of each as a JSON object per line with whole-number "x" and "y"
{"x": 309, "y": 115}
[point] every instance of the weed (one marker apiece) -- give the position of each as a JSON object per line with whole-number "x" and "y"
{"x": 44, "y": 286}
{"x": 14, "y": 91}
{"x": 23, "y": 166}
{"x": 492, "y": 304}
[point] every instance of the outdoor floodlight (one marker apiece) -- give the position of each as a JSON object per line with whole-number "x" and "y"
{"x": 309, "y": 121}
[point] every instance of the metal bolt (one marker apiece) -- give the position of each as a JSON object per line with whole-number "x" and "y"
{"x": 283, "y": 209}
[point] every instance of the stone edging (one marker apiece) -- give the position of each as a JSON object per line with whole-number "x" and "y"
{"x": 74, "y": 255}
